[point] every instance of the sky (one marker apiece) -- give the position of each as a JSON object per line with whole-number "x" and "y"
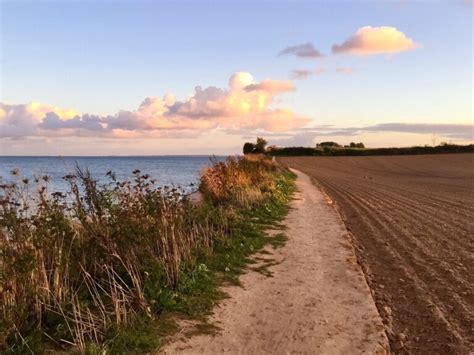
{"x": 202, "y": 77}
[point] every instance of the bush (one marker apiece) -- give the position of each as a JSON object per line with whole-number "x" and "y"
{"x": 260, "y": 145}
{"x": 258, "y": 148}
{"x": 240, "y": 181}
{"x": 248, "y": 148}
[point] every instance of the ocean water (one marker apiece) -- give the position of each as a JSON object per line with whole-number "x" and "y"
{"x": 178, "y": 171}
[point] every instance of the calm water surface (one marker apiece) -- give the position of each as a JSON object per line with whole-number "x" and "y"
{"x": 178, "y": 171}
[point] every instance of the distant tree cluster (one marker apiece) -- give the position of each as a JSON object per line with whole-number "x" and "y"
{"x": 260, "y": 146}
{"x": 356, "y": 145}
{"x": 328, "y": 144}
{"x": 255, "y": 148}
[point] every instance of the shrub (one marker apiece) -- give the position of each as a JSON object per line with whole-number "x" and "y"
{"x": 260, "y": 145}
{"x": 256, "y": 148}
{"x": 240, "y": 180}
{"x": 248, "y": 148}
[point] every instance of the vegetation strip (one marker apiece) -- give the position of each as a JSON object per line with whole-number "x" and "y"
{"x": 110, "y": 268}
{"x": 357, "y": 149}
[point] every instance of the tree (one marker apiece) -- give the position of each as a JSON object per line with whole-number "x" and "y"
{"x": 356, "y": 145}
{"x": 328, "y": 144}
{"x": 249, "y": 148}
{"x": 260, "y": 145}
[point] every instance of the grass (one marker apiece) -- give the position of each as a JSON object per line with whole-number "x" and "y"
{"x": 110, "y": 268}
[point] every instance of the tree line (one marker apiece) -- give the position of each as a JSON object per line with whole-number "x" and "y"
{"x": 330, "y": 148}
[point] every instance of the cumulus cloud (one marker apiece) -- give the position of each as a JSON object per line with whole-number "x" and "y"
{"x": 240, "y": 80}
{"x": 376, "y": 40}
{"x": 245, "y": 104}
{"x": 305, "y": 50}
{"x": 272, "y": 86}
{"x": 53, "y": 121}
{"x": 23, "y": 120}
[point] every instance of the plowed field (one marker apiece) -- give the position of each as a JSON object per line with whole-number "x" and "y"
{"x": 412, "y": 218}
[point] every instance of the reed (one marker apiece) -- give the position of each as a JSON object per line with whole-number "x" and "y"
{"x": 76, "y": 265}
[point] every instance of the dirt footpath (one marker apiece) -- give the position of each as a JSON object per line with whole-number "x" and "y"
{"x": 316, "y": 302}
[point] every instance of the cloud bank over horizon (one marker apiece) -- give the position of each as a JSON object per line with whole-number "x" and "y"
{"x": 244, "y": 105}
{"x": 457, "y": 132}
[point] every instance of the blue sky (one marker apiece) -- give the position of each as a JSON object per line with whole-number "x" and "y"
{"x": 102, "y": 57}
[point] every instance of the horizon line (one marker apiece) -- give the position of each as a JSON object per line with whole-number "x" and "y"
{"x": 115, "y": 156}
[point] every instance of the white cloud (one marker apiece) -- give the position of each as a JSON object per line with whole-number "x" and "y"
{"x": 244, "y": 104}
{"x": 376, "y": 40}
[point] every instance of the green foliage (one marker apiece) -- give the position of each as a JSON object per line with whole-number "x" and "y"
{"x": 308, "y": 151}
{"x": 257, "y": 148}
{"x": 356, "y": 145}
{"x": 260, "y": 145}
{"x": 248, "y": 148}
{"x": 327, "y": 145}
{"x": 101, "y": 268}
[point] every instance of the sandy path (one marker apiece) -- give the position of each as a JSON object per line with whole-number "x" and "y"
{"x": 316, "y": 302}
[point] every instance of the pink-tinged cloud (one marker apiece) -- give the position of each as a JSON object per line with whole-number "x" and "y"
{"x": 301, "y": 74}
{"x": 270, "y": 86}
{"x": 305, "y": 50}
{"x": 376, "y": 40}
{"x": 244, "y": 104}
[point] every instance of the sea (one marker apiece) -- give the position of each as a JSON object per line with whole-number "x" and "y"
{"x": 181, "y": 172}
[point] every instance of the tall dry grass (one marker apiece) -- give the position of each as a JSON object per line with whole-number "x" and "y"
{"x": 243, "y": 181}
{"x": 75, "y": 265}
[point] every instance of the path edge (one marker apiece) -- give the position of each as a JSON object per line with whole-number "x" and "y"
{"x": 383, "y": 347}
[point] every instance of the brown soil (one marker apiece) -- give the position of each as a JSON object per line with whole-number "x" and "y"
{"x": 413, "y": 226}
